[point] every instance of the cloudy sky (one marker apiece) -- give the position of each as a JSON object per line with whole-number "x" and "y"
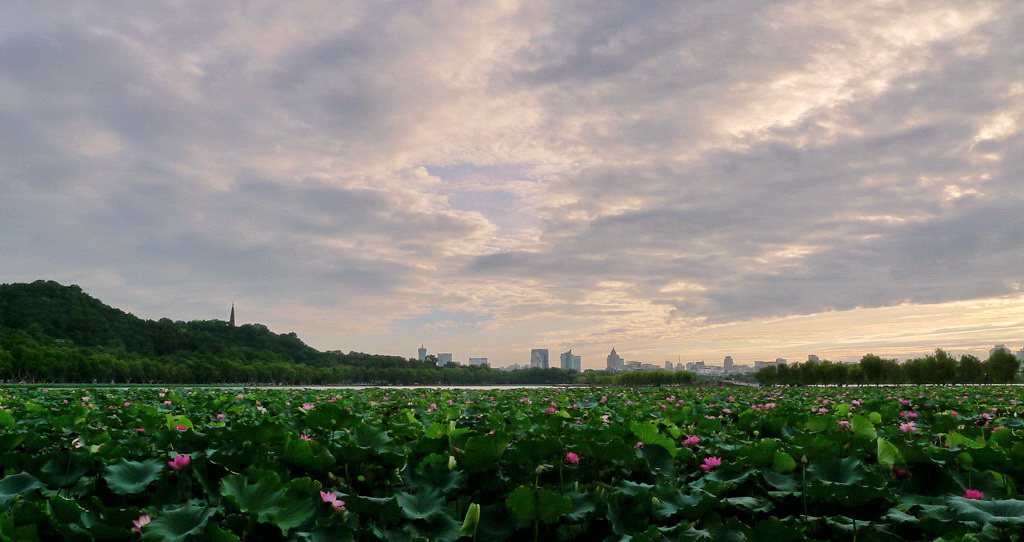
{"x": 679, "y": 180}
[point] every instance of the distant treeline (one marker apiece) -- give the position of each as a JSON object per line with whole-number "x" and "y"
{"x": 938, "y": 368}
{"x": 55, "y": 333}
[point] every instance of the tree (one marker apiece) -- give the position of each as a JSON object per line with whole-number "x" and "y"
{"x": 1002, "y": 366}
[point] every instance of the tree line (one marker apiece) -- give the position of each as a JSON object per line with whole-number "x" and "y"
{"x": 940, "y": 367}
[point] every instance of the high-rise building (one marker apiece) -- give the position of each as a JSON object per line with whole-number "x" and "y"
{"x": 577, "y": 363}
{"x": 615, "y": 363}
{"x": 813, "y": 358}
{"x": 477, "y": 362}
{"x": 999, "y": 348}
{"x": 422, "y": 353}
{"x": 728, "y": 364}
{"x": 539, "y": 358}
{"x": 444, "y": 359}
{"x": 566, "y": 360}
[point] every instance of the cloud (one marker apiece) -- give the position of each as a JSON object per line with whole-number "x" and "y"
{"x": 569, "y": 172}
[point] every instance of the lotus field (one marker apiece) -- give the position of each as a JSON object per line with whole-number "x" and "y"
{"x": 910, "y": 463}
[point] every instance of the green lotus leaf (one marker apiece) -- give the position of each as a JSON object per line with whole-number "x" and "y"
{"x": 629, "y": 514}
{"x": 6, "y": 419}
{"x": 174, "y": 524}
{"x": 16, "y": 484}
{"x": 175, "y": 420}
{"x": 1002, "y": 513}
{"x": 962, "y": 441}
{"x": 65, "y": 469}
{"x": 436, "y": 475}
{"x": 484, "y": 451}
{"x": 421, "y": 505}
{"x": 310, "y": 455}
{"x": 888, "y": 454}
{"x": 294, "y": 510}
{"x": 762, "y": 454}
{"x": 750, "y": 504}
{"x": 783, "y": 462}
{"x": 582, "y": 505}
{"x": 532, "y": 504}
{"x": 263, "y": 497}
{"x": 469, "y": 524}
{"x": 125, "y": 477}
{"x": 776, "y": 530}
{"x": 845, "y": 471}
{"x": 372, "y": 438}
{"x": 862, "y": 427}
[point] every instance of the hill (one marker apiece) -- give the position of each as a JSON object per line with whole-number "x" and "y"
{"x": 55, "y": 333}
{"x": 69, "y": 315}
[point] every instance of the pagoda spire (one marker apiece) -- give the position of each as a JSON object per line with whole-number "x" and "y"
{"x": 231, "y": 322}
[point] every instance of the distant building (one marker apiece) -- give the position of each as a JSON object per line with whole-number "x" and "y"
{"x": 728, "y": 364}
{"x": 444, "y": 359}
{"x": 514, "y": 367}
{"x": 615, "y": 362}
{"x": 813, "y": 359}
{"x": 669, "y": 366}
{"x": 565, "y": 359}
{"x": 780, "y": 361}
{"x": 999, "y": 348}
{"x": 478, "y": 362}
{"x": 577, "y": 363}
{"x": 422, "y": 353}
{"x": 231, "y": 320}
{"x": 539, "y": 358}
{"x": 709, "y": 370}
{"x": 1020, "y": 355}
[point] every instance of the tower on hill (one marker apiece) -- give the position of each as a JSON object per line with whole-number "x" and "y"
{"x": 231, "y": 321}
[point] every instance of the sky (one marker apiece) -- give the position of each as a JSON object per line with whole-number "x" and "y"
{"x": 679, "y": 180}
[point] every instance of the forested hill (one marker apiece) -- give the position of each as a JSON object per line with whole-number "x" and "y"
{"x": 67, "y": 314}
{"x": 55, "y": 333}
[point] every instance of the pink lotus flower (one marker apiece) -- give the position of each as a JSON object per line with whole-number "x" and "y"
{"x": 221, "y": 416}
{"x": 908, "y": 427}
{"x": 308, "y": 406}
{"x": 974, "y": 494}
{"x": 691, "y": 441}
{"x": 305, "y": 437}
{"x": 332, "y": 498}
{"x": 179, "y": 462}
{"x": 844, "y": 423}
{"x": 551, "y": 410}
{"x": 143, "y": 520}
{"x": 710, "y": 463}
{"x": 181, "y": 428}
{"x": 900, "y": 472}
{"x": 572, "y": 458}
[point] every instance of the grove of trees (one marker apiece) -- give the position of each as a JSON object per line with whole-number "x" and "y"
{"x": 936, "y": 368}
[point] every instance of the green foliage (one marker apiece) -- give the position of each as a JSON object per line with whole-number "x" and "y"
{"x": 936, "y": 368}
{"x": 437, "y": 464}
{"x": 128, "y": 476}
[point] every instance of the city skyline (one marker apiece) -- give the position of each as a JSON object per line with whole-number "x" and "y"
{"x": 727, "y": 361}
{"x": 688, "y": 180}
